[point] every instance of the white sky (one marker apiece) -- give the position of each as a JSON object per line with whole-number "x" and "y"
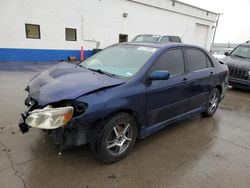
{"x": 234, "y": 25}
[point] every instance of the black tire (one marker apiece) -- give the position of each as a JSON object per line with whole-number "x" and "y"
{"x": 212, "y": 103}
{"x": 116, "y": 139}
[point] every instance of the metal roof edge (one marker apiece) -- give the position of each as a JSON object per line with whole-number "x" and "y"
{"x": 193, "y": 6}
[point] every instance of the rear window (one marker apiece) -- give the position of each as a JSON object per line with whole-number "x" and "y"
{"x": 147, "y": 38}
{"x": 174, "y": 39}
{"x": 170, "y": 39}
{"x": 165, "y": 39}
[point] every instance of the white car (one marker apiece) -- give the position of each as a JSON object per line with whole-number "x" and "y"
{"x": 157, "y": 38}
{"x": 220, "y": 54}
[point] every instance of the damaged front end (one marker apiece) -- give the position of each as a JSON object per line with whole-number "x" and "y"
{"x": 56, "y": 119}
{"x": 54, "y": 106}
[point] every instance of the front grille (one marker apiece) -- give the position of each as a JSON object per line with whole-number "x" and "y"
{"x": 238, "y": 73}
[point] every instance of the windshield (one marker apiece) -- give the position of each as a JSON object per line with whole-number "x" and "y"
{"x": 147, "y": 38}
{"x": 119, "y": 60}
{"x": 242, "y": 52}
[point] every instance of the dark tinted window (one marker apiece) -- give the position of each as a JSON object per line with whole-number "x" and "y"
{"x": 32, "y": 31}
{"x": 172, "y": 61}
{"x": 175, "y": 39}
{"x": 164, "y": 39}
{"x": 197, "y": 60}
{"x": 209, "y": 63}
{"x": 70, "y": 34}
{"x": 170, "y": 39}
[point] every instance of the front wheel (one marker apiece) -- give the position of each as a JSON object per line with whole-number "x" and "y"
{"x": 116, "y": 139}
{"x": 212, "y": 103}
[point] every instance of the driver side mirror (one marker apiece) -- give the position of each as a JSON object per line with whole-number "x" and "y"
{"x": 226, "y": 53}
{"x": 159, "y": 75}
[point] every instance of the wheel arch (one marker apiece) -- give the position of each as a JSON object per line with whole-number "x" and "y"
{"x": 219, "y": 87}
{"x": 136, "y": 115}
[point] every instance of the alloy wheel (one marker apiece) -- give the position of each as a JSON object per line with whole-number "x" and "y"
{"x": 213, "y": 102}
{"x": 119, "y": 138}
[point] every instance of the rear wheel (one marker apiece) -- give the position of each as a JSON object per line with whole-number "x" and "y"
{"x": 116, "y": 139}
{"x": 212, "y": 103}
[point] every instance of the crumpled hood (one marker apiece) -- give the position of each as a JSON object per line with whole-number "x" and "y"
{"x": 67, "y": 81}
{"x": 238, "y": 63}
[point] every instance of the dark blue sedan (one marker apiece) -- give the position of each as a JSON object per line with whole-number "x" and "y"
{"x": 122, "y": 93}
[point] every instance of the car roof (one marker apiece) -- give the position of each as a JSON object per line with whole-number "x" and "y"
{"x": 158, "y": 35}
{"x": 159, "y": 45}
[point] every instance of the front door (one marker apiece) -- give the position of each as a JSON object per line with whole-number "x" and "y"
{"x": 166, "y": 99}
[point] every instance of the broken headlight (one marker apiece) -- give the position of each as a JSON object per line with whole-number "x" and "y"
{"x": 49, "y": 118}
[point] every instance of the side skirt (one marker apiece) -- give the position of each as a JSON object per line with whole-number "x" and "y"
{"x": 146, "y": 131}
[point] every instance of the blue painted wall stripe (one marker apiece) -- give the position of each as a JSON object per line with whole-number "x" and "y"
{"x": 38, "y": 55}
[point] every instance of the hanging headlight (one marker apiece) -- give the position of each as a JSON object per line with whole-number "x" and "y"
{"x": 50, "y": 118}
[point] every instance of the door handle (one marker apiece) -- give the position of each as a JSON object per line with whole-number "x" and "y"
{"x": 211, "y": 73}
{"x": 184, "y": 79}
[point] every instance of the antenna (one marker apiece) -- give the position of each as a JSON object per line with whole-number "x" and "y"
{"x": 184, "y": 33}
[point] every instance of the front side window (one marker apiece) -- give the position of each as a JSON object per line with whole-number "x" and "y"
{"x": 32, "y": 31}
{"x": 196, "y": 59}
{"x": 172, "y": 61}
{"x": 70, "y": 34}
{"x": 241, "y": 52}
{"x": 121, "y": 60}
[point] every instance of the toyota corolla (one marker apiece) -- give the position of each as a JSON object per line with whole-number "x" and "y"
{"x": 123, "y": 93}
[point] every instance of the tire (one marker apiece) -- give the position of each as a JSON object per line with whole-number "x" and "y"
{"x": 212, "y": 103}
{"x": 116, "y": 139}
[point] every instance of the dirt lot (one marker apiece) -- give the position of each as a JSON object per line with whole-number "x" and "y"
{"x": 198, "y": 152}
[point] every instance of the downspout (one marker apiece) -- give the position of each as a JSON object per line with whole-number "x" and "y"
{"x": 216, "y": 26}
{"x": 88, "y": 40}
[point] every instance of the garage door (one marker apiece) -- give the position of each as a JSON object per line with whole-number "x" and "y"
{"x": 200, "y": 35}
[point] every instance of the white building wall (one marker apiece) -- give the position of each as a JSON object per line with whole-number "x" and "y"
{"x": 100, "y": 20}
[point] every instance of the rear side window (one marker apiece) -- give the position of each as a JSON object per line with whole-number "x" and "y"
{"x": 197, "y": 60}
{"x": 209, "y": 63}
{"x": 172, "y": 61}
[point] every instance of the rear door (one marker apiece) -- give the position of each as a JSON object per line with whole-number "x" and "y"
{"x": 201, "y": 77}
{"x": 166, "y": 99}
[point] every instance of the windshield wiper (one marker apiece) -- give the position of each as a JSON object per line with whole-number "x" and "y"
{"x": 102, "y": 72}
{"x": 240, "y": 56}
{"x": 99, "y": 71}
